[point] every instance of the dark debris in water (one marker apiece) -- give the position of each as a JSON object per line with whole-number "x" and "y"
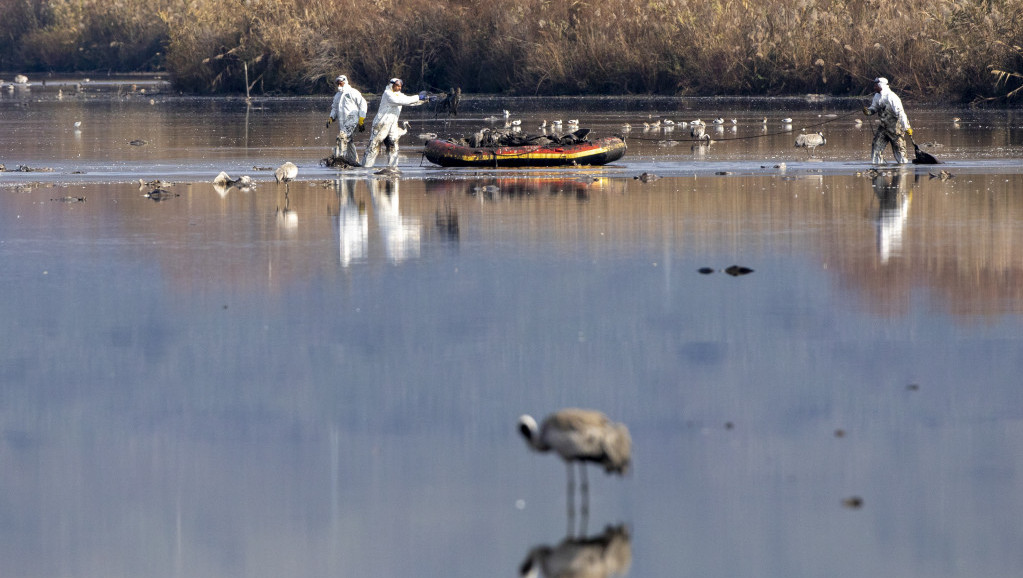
{"x": 646, "y": 177}
{"x": 138, "y": 143}
{"x": 736, "y": 270}
{"x": 337, "y": 162}
{"x": 160, "y": 195}
{"x": 26, "y": 169}
{"x": 733, "y": 270}
{"x": 853, "y": 502}
{"x": 69, "y": 199}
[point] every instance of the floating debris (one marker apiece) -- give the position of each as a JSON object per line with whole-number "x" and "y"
{"x": 839, "y": 433}
{"x": 853, "y": 502}
{"x": 337, "y": 162}
{"x": 69, "y": 199}
{"x": 225, "y": 180}
{"x": 646, "y": 177}
{"x": 913, "y": 387}
{"x": 487, "y": 190}
{"x": 160, "y": 195}
{"x": 705, "y": 270}
{"x": 736, "y": 270}
{"x": 138, "y": 143}
{"x": 28, "y": 169}
{"x": 157, "y": 184}
{"x": 943, "y": 175}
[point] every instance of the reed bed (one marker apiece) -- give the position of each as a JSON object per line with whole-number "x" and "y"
{"x": 958, "y": 50}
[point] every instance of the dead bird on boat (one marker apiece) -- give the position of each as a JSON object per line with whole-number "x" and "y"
{"x": 487, "y": 138}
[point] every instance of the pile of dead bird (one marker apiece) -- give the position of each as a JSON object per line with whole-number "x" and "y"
{"x": 489, "y": 138}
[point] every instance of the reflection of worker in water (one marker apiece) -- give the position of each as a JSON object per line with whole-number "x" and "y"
{"x": 349, "y": 110}
{"x": 352, "y": 223}
{"x": 385, "y": 124}
{"x": 892, "y": 123}
{"x": 400, "y": 234}
{"x": 892, "y": 190}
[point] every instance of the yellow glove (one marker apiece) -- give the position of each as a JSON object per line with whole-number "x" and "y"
{"x": 909, "y": 131}
{"x": 866, "y": 111}
{"x": 362, "y": 124}
{"x": 329, "y": 120}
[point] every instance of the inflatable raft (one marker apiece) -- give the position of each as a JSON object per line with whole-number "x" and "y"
{"x": 598, "y": 152}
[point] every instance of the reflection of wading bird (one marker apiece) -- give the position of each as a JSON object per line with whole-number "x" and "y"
{"x": 602, "y": 556}
{"x": 580, "y": 435}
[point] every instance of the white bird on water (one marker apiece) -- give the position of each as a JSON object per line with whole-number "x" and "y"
{"x": 580, "y": 436}
{"x": 286, "y": 172}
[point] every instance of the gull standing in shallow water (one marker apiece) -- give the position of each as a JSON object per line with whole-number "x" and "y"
{"x": 580, "y": 436}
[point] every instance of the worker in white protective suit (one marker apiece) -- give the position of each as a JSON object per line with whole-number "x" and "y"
{"x": 385, "y": 125}
{"x": 893, "y": 124}
{"x": 349, "y": 110}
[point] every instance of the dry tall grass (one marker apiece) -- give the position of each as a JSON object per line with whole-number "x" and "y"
{"x": 929, "y": 48}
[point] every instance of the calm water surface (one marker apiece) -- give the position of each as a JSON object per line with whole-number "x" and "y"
{"x": 323, "y": 379}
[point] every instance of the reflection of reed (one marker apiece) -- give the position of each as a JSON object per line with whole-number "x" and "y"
{"x": 601, "y": 556}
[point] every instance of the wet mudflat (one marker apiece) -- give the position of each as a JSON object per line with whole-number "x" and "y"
{"x": 323, "y": 378}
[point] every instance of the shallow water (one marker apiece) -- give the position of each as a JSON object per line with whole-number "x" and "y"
{"x": 324, "y": 378}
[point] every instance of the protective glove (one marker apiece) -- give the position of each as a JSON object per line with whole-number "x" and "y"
{"x": 422, "y": 95}
{"x": 433, "y": 98}
{"x": 329, "y": 120}
{"x": 909, "y": 131}
{"x": 866, "y": 111}
{"x": 362, "y": 124}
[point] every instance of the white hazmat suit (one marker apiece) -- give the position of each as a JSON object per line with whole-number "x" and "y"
{"x": 385, "y": 125}
{"x": 349, "y": 110}
{"x": 893, "y": 124}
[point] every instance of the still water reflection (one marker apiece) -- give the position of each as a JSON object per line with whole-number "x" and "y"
{"x": 323, "y": 378}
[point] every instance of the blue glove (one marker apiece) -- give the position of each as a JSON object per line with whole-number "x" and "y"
{"x": 422, "y": 95}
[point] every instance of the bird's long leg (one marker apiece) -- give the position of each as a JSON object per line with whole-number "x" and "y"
{"x": 584, "y": 491}
{"x": 570, "y": 491}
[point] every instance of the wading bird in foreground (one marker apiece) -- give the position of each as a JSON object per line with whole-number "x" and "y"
{"x": 810, "y": 141}
{"x": 580, "y": 436}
